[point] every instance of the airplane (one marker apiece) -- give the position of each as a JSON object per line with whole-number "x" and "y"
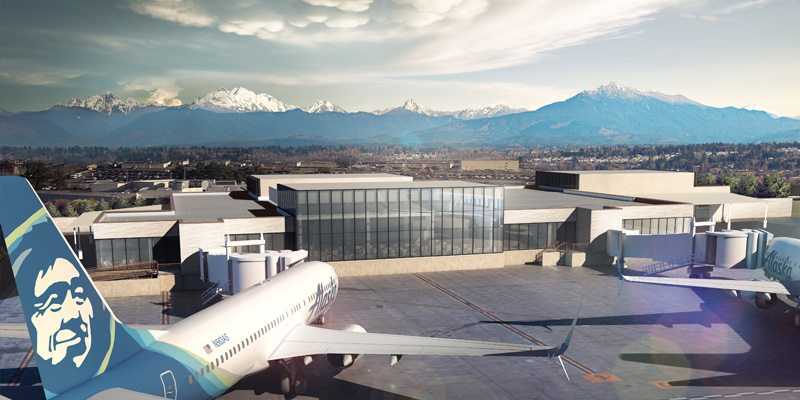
{"x": 778, "y": 279}
{"x": 83, "y": 351}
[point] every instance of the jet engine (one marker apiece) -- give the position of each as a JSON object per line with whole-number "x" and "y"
{"x": 346, "y": 360}
{"x": 761, "y": 300}
{"x": 765, "y": 300}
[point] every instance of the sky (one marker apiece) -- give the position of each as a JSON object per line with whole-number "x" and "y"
{"x": 374, "y": 54}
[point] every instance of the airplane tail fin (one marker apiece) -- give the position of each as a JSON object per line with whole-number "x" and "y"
{"x": 74, "y": 334}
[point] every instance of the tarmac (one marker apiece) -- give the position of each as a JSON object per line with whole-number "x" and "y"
{"x": 632, "y": 341}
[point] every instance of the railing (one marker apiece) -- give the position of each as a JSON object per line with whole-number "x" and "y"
{"x": 209, "y": 294}
{"x": 563, "y": 248}
{"x": 664, "y": 266}
{"x": 128, "y": 271}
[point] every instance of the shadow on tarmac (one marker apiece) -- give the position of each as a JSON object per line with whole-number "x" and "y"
{"x": 773, "y": 341}
{"x": 19, "y": 384}
{"x": 321, "y": 383}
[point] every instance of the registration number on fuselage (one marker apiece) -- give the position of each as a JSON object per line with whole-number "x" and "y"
{"x": 218, "y": 342}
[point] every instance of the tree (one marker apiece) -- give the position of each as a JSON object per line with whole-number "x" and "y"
{"x": 68, "y": 211}
{"x": 52, "y": 210}
{"x": 707, "y": 179}
{"x": 83, "y": 205}
{"x": 103, "y": 205}
{"x": 774, "y": 185}
{"x": 747, "y": 185}
{"x": 120, "y": 202}
{"x": 37, "y": 173}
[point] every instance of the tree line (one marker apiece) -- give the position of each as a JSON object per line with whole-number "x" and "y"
{"x": 748, "y": 184}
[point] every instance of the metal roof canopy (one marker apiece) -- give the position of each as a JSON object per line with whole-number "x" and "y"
{"x": 533, "y": 199}
{"x": 210, "y": 206}
{"x": 380, "y": 185}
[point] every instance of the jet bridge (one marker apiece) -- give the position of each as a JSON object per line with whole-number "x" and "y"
{"x": 226, "y": 272}
{"x": 699, "y": 252}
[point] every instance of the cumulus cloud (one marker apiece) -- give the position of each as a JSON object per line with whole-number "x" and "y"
{"x": 164, "y": 97}
{"x": 158, "y": 91}
{"x": 434, "y": 36}
{"x": 183, "y": 12}
{"x": 344, "y": 5}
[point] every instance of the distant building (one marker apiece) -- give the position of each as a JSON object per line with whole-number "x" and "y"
{"x": 490, "y": 165}
{"x": 146, "y": 165}
{"x": 12, "y": 167}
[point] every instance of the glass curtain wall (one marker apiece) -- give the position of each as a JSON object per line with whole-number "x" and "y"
{"x": 336, "y": 225}
{"x": 119, "y": 252}
{"x": 538, "y": 236}
{"x": 659, "y": 226}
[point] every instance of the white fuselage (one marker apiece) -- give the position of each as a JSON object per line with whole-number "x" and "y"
{"x": 236, "y": 337}
{"x": 782, "y": 263}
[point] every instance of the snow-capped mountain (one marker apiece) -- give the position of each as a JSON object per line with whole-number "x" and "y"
{"x": 321, "y": 106}
{"x": 487, "y": 112}
{"x": 104, "y": 103}
{"x": 615, "y": 91}
{"x": 470, "y": 113}
{"x": 240, "y": 100}
{"x": 410, "y": 106}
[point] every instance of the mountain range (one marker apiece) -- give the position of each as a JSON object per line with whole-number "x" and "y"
{"x": 610, "y": 114}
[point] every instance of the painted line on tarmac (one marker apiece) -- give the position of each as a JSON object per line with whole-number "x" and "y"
{"x": 588, "y": 373}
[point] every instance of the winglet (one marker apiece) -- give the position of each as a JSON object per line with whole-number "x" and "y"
{"x": 558, "y": 352}
{"x": 567, "y": 339}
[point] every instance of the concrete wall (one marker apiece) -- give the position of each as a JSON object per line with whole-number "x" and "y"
{"x": 520, "y": 257}
{"x": 206, "y": 235}
{"x": 418, "y": 264}
{"x": 537, "y": 215}
{"x": 591, "y": 228}
{"x": 137, "y": 287}
{"x": 116, "y": 230}
{"x": 658, "y": 211}
{"x": 779, "y": 208}
{"x": 637, "y": 183}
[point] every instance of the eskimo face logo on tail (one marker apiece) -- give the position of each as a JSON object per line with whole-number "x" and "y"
{"x": 63, "y": 314}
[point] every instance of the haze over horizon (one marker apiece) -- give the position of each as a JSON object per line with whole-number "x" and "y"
{"x": 370, "y": 55}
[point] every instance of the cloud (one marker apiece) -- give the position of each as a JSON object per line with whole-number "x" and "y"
{"x": 431, "y": 36}
{"x": 343, "y": 5}
{"x": 347, "y": 21}
{"x": 728, "y": 8}
{"x": 164, "y": 97}
{"x": 160, "y": 91}
{"x": 183, "y": 12}
{"x": 24, "y": 72}
{"x": 513, "y": 35}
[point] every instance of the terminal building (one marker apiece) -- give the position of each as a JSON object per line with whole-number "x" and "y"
{"x": 385, "y": 223}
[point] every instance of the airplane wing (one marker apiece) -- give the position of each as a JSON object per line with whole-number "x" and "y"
{"x": 309, "y": 340}
{"x": 725, "y": 284}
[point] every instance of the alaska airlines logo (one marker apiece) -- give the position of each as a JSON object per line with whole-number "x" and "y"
{"x": 62, "y": 315}
{"x": 779, "y": 268}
